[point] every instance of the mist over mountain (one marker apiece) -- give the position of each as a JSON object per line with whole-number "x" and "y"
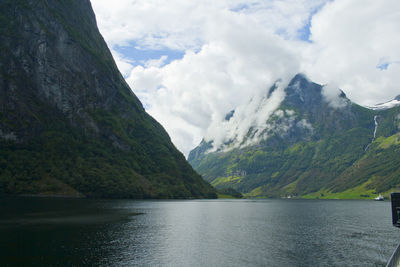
{"x": 308, "y": 140}
{"x": 69, "y": 123}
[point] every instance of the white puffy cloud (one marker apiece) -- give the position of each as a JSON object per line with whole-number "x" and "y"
{"x": 353, "y": 40}
{"x": 241, "y": 63}
{"x": 234, "y": 50}
{"x": 182, "y": 24}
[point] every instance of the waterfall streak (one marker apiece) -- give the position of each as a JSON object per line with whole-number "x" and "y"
{"x": 376, "y": 128}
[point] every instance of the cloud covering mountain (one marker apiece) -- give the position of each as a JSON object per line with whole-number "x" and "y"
{"x": 192, "y": 62}
{"x": 312, "y": 145}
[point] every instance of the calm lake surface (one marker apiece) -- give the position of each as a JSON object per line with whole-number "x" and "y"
{"x": 65, "y": 232}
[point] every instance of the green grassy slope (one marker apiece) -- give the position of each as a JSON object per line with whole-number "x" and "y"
{"x": 332, "y": 162}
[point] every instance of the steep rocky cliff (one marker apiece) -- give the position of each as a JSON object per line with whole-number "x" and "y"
{"x": 69, "y": 123}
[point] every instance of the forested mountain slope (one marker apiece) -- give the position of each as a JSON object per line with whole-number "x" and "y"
{"x": 311, "y": 146}
{"x": 69, "y": 123}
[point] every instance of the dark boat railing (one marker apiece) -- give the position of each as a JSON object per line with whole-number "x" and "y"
{"x": 395, "y": 259}
{"x": 395, "y": 199}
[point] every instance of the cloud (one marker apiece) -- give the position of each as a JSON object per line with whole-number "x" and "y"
{"x": 125, "y": 65}
{"x": 231, "y": 56}
{"x": 350, "y": 40}
{"x": 183, "y": 25}
{"x": 332, "y": 95}
{"x": 249, "y": 120}
{"x": 231, "y": 51}
{"x": 201, "y": 88}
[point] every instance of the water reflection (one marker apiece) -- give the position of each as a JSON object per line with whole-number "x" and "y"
{"x": 57, "y": 231}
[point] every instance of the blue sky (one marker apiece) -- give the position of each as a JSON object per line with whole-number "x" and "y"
{"x": 139, "y": 56}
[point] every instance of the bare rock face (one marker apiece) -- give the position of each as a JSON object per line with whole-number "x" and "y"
{"x": 55, "y": 54}
{"x": 64, "y": 102}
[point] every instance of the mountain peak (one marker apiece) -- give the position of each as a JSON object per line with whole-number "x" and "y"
{"x": 312, "y": 140}
{"x": 299, "y": 77}
{"x": 302, "y": 92}
{"x": 290, "y": 113}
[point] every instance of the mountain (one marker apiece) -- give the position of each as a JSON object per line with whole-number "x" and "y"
{"x": 314, "y": 144}
{"x": 69, "y": 123}
{"x": 392, "y": 103}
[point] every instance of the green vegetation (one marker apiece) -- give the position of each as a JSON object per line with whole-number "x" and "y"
{"x": 225, "y": 180}
{"x": 298, "y": 169}
{"x": 96, "y": 168}
{"x": 69, "y": 123}
{"x": 336, "y": 160}
{"x": 228, "y": 193}
{"x": 358, "y": 192}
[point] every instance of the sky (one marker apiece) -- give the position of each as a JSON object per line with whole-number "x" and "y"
{"x": 192, "y": 62}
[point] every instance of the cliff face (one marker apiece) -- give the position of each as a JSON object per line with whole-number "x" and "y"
{"x": 68, "y": 120}
{"x": 55, "y": 54}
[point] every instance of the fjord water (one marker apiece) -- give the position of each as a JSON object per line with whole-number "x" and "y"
{"x": 59, "y": 232}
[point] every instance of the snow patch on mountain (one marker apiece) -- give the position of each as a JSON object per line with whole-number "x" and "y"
{"x": 390, "y": 104}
